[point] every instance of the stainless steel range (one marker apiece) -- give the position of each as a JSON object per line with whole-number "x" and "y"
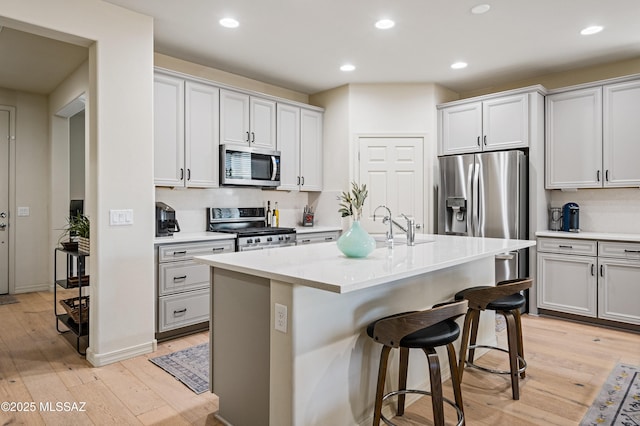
{"x": 250, "y": 225}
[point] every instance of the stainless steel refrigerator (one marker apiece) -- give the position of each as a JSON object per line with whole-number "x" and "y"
{"x": 485, "y": 195}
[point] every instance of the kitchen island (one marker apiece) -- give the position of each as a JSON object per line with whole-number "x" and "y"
{"x": 288, "y": 341}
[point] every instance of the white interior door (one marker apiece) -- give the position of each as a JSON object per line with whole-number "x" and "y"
{"x": 393, "y": 169}
{"x": 4, "y": 201}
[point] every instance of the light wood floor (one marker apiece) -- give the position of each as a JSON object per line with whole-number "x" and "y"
{"x": 568, "y": 363}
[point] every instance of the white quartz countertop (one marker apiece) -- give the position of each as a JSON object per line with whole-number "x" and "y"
{"x": 590, "y": 236}
{"x": 323, "y": 266}
{"x": 188, "y": 237}
{"x": 313, "y": 229}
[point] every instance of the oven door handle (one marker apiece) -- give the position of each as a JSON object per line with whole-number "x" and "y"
{"x": 274, "y": 167}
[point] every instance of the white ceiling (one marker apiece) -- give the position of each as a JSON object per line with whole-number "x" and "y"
{"x": 300, "y": 44}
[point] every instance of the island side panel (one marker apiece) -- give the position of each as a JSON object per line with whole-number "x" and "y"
{"x": 240, "y": 339}
{"x": 335, "y": 364}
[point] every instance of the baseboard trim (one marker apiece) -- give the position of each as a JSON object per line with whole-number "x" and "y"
{"x": 99, "y": 360}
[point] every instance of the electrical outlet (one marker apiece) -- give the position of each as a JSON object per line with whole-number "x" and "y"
{"x": 281, "y": 317}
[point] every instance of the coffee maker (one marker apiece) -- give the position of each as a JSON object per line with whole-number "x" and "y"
{"x": 166, "y": 223}
{"x": 571, "y": 217}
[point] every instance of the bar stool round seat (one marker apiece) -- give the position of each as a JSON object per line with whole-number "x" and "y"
{"x": 506, "y": 299}
{"x": 424, "y": 330}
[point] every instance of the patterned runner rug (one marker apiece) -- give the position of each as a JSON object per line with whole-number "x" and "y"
{"x": 7, "y": 299}
{"x": 190, "y": 366}
{"x": 619, "y": 400}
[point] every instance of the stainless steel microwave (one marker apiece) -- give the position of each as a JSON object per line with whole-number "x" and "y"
{"x": 248, "y": 166}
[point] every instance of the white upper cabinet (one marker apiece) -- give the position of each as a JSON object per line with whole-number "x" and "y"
{"x": 300, "y": 145}
{"x": 593, "y": 137}
{"x": 310, "y": 150}
{"x": 247, "y": 120}
{"x": 490, "y": 124}
{"x": 574, "y": 139}
{"x": 288, "y": 137}
{"x": 201, "y": 135}
{"x": 168, "y": 130}
{"x": 185, "y": 133}
{"x": 621, "y": 134}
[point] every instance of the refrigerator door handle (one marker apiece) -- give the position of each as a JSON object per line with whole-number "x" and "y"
{"x": 477, "y": 203}
{"x": 471, "y": 187}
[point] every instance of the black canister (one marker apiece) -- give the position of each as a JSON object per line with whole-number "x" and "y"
{"x": 571, "y": 217}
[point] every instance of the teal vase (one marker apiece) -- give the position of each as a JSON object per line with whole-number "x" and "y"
{"x": 356, "y": 242}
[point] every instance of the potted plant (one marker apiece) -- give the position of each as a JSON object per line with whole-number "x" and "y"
{"x": 77, "y": 228}
{"x": 356, "y": 242}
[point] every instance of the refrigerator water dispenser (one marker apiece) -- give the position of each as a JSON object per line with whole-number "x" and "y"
{"x": 457, "y": 214}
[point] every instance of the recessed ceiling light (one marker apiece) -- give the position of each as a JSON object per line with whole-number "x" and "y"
{"x": 458, "y": 65}
{"x": 347, "y": 67}
{"x": 591, "y": 30}
{"x": 229, "y": 23}
{"x": 480, "y": 9}
{"x": 385, "y": 24}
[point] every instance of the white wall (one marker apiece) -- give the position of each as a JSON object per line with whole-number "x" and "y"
{"x": 120, "y": 169}
{"x": 375, "y": 109}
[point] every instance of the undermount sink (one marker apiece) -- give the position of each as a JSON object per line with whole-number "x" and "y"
{"x": 401, "y": 240}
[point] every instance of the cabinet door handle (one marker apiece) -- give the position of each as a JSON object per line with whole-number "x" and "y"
{"x": 598, "y": 175}
{"x": 298, "y": 181}
{"x": 253, "y": 137}
{"x": 484, "y": 140}
{"x": 184, "y": 277}
{"x": 176, "y": 253}
{"x": 592, "y": 268}
{"x": 302, "y": 180}
{"x": 602, "y": 270}
{"x": 564, "y": 246}
{"x": 631, "y": 251}
{"x": 181, "y": 173}
{"x": 247, "y": 136}
{"x": 478, "y": 140}
{"x": 188, "y": 174}
{"x": 606, "y": 175}
{"x": 217, "y": 249}
{"x": 180, "y": 311}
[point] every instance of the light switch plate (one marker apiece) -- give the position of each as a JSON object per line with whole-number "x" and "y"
{"x": 281, "y": 318}
{"x": 120, "y": 217}
{"x": 23, "y": 211}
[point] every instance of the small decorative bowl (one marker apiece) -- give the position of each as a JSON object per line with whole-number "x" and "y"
{"x": 70, "y": 245}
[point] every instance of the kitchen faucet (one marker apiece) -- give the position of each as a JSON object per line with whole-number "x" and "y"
{"x": 410, "y": 229}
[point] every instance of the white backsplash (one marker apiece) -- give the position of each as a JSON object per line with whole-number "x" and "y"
{"x": 604, "y": 210}
{"x": 191, "y": 204}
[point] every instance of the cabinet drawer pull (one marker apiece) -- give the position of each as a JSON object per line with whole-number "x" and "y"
{"x": 563, "y": 246}
{"x": 184, "y": 277}
{"x": 217, "y": 249}
{"x": 180, "y": 311}
{"x": 631, "y": 251}
{"x": 305, "y": 241}
{"x": 176, "y": 253}
{"x": 328, "y": 238}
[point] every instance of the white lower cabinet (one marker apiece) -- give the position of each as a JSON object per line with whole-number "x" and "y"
{"x": 183, "y": 284}
{"x": 573, "y": 279}
{"x": 568, "y": 283}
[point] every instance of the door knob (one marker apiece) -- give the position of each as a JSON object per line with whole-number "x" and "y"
{"x": 3, "y": 214}
{"x": 2, "y": 226}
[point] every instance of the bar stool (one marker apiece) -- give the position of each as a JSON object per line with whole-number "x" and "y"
{"x": 424, "y": 330}
{"x": 505, "y": 299}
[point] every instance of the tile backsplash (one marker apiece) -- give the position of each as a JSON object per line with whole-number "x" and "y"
{"x": 191, "y": 204}
{"x": 615, "y": 210}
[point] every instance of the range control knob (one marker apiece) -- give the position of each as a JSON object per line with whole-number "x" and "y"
{"x": 257, "y": 240}
{"x": 249, "y": 240}
{"x": 280, "y": 238}
{"x": 269, "y": 239}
